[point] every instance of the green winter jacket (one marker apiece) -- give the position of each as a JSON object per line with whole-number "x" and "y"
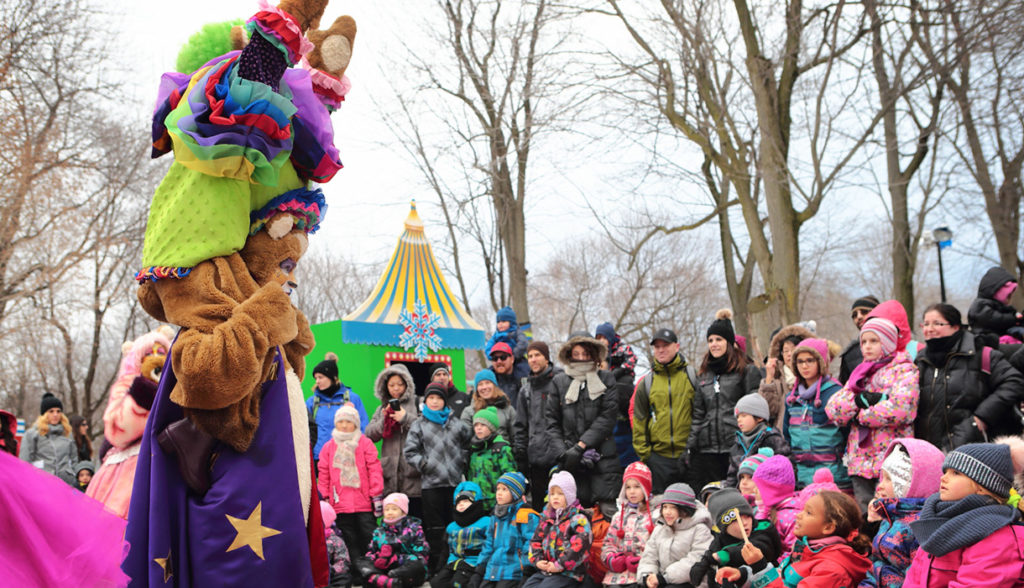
{"x": 489, "y": 459}
{"x": 663, "y": 410}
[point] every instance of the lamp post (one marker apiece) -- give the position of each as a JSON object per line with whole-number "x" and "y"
{"x": 943, "y": 237}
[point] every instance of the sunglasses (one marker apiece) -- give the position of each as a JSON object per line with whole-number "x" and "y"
{"x": 500, "y": 357}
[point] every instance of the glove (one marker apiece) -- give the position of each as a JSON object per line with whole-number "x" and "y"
{"x": 617, "y": 563}
{"x": 571, "y": 458}
{"x": 378, "y": 506}
{"x": 632, "y": 561}
{"x": 384, "y": 557}
{"x": 868, "y": 399}
{"x": 590, "y": 458}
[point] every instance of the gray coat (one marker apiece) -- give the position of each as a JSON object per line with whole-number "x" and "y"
{"x": 56, "y": 450}
{"x": 672, "y": 551}
{"x": 530, "y": 438}
{"x": 399, "y": 476}
{"x": 439, "y": 452}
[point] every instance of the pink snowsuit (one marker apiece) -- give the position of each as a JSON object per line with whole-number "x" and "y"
{"x": 996, "y": 560}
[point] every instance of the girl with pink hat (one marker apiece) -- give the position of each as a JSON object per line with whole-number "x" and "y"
{"x": 630, "y": 528}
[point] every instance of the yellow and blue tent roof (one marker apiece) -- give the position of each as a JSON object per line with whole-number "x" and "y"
{"x": 412, "y": 303}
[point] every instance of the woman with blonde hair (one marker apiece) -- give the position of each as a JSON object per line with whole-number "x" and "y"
{"x": 48, "y": 445}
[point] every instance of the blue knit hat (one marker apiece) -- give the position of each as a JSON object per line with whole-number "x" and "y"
{"x": 607, "y": 331}
{"x": 988, "y": 464}
{"x": 506, "y": 314}
{"x": 485, "y": 374}
{"x": 515, "y": 482}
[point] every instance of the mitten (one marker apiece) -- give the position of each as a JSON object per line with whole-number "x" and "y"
{"x": 571, "y": 458}
{"x": 378, "y": 506}
{"x": 384, "y": 558}
{"x": 617, "y": 562}
{"x": 867, "y": 399}
{"x": 632, "y": 561}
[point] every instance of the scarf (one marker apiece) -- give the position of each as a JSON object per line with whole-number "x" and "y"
{"x": 788, "y": 377}
{"x": 437, "y": 416}
{"x": 583, "y": 372}
{"x": 471, "y": 515}
{"x": 718, "y": 365}
{"x": 938, "y": 348}
{"x": 806, "y": 393}
{"x": 345, "y": 458}
{"x": 863, "y": 373}
{"x": 946, "y": 526}
{"x": 390, "y": 424}
{"x": 747, "y": 440}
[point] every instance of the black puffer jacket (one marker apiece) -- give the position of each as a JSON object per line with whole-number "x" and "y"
{"x": 592, "y": 422}
{"x": 530, "y": 439}
{"x": 849, "y": 358}
{"x": 714, "y": 424}
{"x": 989, "y": 318}
{"x": 954, "y": 393}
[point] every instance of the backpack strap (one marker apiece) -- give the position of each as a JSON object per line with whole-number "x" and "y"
{"x": 315, "y": 407}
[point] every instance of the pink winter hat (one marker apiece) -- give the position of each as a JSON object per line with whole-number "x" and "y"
{"x": 397, "y": 499}
{"x": 775, "y": 479}
{"x": 823, "y": 480}
{"x": 921, "y": 479}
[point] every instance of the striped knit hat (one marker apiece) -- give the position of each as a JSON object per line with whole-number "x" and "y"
{"x": 642, "y": 474}
{"x": 515, "y": 482}
{"x": 680, "y": 494}
{"x": 988, "y": 464}
{"x": 749, "y": 464}
{"x": 886, "y": 331}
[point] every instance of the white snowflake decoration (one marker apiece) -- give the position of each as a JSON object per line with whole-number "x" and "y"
{"x": 420, "y": 331}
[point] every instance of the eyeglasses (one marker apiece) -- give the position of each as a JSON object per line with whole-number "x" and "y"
{"x": 932, "y": 325}
{"x": 806, "y": 361}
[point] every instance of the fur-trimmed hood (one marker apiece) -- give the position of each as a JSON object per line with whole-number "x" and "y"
{"x": 598, "y": 349}
{"x": 775, "y": 348}
{"x": 380, "y": 386}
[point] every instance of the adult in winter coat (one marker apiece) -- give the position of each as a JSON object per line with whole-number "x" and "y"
{"x": 581, "y": 416}
{"x": 80, "y": 435}
{"x": 879, "y": 401}
{"x": 390, "y": 426}
{"x": 487, "y": 393}
{"x": 621, "y": 363}
{"x": 990, "y": 315}
{"x": 663, "y": 410}
{"x": 329, "y": 394}
{"x": 962, "y": 400}
{"x": 723, "y": 378}
{"x": 48, "y": 444}
{"x": 850, "y": 357}
{"x": 457, "y": 399}
{"x": 535, "y": 450}
{"x": 8, "y": 431}
{"x": 780, "y": 376}
{"x": 815, "y": 441}
{"x": 678, "y": 542}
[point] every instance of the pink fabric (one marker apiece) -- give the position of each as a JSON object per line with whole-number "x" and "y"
{"x": 996, "y": 560}
{"x": 925, "y": 466}
{"x": 112, "y": 483}
{"x": 123, "y": 419}
{"x": 785, "y": 522}
{"x": 887, "y": 333}
{"x": 626, "y": 536}
{"x": 53, "y": 534}
{"x": 775, "y": 480}
{"x": 1003, "y": 294}
{"x": 894, "y": 311}
{"x": 823, "y": 480}
{"x": 347, "y": 499}
{"x": 889, "y": 419}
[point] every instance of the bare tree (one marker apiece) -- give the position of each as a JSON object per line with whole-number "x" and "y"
{"x": 332, "y": 285}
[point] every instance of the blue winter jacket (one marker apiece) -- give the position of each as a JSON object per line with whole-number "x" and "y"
{"x": 328, "y": 404}
{"x": 467, "y": 543}
{"x": 506, "y": 551}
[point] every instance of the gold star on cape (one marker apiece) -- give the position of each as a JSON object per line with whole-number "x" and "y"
{"x": 165, "y": 563}
{"x": 251, "y": 531}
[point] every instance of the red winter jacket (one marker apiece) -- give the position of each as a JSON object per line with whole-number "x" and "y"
{"x": 833, "y": 566}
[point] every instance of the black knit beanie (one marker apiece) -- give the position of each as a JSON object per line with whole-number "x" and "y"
{"x": 50, "y": 401}
{"x": 867, "y": 302}
{"x": 328, "y": 367}
{"x": 723, "y": 328}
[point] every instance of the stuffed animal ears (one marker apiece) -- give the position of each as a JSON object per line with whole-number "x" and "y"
{"x": 239, "y": 38}
{"x": 306, "y": 12}
{"x": 333, "y": 47}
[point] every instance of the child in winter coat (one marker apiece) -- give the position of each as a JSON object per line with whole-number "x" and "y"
{"x": 910, "y": 474}
{"x": 992, "y": 319}
{"x": 630, "y": 527}
{"x": 507, "y": 331}
{"x": 490, "y": 455}
{"x": 337, "y": 552}
{"x": 776, "y": 485}
{"x": 397, "y": 554}
{"x": 560, "y": 544}
{"x": 746, "y": 484}
{"x": 754, "y": 432}
{"x": 814, "y": 439}
{"x": 680, "y": 538}
{"x": 350, "y": 479}
{"x": 969, "y": 532}
{"x": 503, "y": 559}
{"x": 436, "y": 448}
{"x": 466, "y": 537}
{"x": 830, "y": 552}
{"x": 733, "y": 519}
{"x": 879, "y": 401}
{"x": 83, "y": 474}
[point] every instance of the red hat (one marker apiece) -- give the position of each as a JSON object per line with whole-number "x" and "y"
{"x": 500, "y": 347}
{"x": 641, "y": 473}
